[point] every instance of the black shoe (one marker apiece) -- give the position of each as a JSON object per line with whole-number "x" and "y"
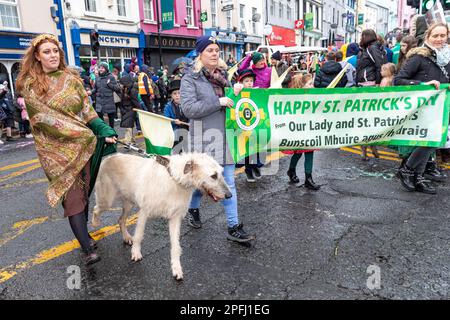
{"x": 90, "y": 258}
{"x": 309, "y": 182}
{"x": 292, "y": 176}
{"x": 238, "y": 234}
{"x": 407, "y": 179}
{"x": 11, "y": 139}
{"x": 257, "y": 173}
{"x": 402, "y": 165}
{"x": 423, "y": 185}
{"x": 92, "y": 243}
{"x": 194, "y": 218}
{"x": 250, "y": 176}
{"x": 432, "y": 172}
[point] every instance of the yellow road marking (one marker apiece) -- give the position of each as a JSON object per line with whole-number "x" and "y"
{"x": 369, "y": 154}
{"x": 20, "y": 227}
{"x": 19, "y": 173}
{"x": 18, "y": 165}
{"x": 24, "y": 183}
{"x": 52, "y": 253}
{"x": 9, "y": 272}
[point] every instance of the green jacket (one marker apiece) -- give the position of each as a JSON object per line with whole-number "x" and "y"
{"x": 102, "y": 131}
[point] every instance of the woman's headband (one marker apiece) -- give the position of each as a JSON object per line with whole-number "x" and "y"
{"x": 43, "y": 37}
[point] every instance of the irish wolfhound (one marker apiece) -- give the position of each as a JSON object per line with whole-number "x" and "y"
{"x": 160, "y": 187}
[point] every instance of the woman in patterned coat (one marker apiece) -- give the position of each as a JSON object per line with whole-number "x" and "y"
{"x": 69, "y": 137}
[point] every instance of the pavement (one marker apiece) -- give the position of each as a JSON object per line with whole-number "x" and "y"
{"x": 361, "y": 236}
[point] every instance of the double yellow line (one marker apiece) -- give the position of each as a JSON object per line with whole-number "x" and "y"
{"x": 7, "y": 273}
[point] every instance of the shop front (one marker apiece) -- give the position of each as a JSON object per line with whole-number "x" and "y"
{"x": 12, "y": 48}
{"x": 172, "y": 48}
{"x": 281, "y": 37}
{"x": 232, "y": 43}
{"x": 116, "y": 48}
{"x": 252, "y": 43}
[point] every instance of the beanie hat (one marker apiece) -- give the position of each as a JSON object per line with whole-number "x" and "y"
{"x": 204, "y": 41}
{"x": 246, "y": 73}
{"x": 352, "y": 49}
{"x": 257, "y": 56}
{"x": 104, "y": 65}
{"x": 277, "y": 56}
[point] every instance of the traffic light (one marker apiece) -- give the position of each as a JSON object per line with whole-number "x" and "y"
{"x": 95, "y": 44}
{"x": 446, "y": 4}
{"x": 427, "y": 5}
{"x": 413, "y": 3}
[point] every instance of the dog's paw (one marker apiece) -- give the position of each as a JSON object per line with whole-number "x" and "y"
{"x": 177, "y": 273}
{"x": 128, "y": 240}
{"x": 136, "y": 255}
{"x": 178, "y": 277}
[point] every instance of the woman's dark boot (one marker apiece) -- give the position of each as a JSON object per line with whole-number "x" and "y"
{"x": 309, "y": 182}
{"x": 90, "y": 258}
{"x": 407, "y": 178}
{"x": 423, "y": 185}
{"x": 292, "y": 176}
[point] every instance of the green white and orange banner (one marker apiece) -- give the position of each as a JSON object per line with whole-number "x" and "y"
{"x": 291, "y": 119}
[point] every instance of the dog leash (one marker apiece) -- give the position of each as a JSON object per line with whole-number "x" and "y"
{"x": 138, "y": 150}
{"x": 160, "y": 159}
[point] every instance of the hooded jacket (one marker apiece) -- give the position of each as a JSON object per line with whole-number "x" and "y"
{"x": 327, "y": 73}
{"x": 420, "y": 67}
{"x": 370, "y": 60}
{"x": 263, "y": 75}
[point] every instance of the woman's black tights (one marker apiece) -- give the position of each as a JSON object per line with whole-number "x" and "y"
{"x": 78, "y": 223}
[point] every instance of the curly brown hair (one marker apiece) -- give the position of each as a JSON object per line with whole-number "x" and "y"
{"x": 31, "y": 73}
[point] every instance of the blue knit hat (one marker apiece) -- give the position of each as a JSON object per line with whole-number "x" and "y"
{"x": 352, "y": 49}
{"x": 203, "y": 42}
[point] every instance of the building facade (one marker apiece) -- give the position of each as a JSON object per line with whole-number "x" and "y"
{"x": 18, "y": 26}
{"x": 404, "y": 15}
{"x": 281, "y": 16}
{"x": 224, "y": 23}
{"x": 334, "y": 23}
{"x": 377, "y": 18}
{"x": 176, "y": 42}
{"x": 251, "y": 23}
{"x": 117, "y": 22}
{"x": 312, "y": 13}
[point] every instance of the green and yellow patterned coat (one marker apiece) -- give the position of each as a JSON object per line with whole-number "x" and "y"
{"x": 67, "y": 132}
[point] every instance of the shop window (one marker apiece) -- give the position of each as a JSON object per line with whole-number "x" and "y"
{"x": 90, "y": 5}
{"x": 9, "y": 17}
{"x": 148, "y": 10}
{"x": 121, "y": 8}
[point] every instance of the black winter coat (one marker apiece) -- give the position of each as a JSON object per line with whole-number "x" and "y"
{"x": 130, "y": 100}
{"x": 419, "y": 67}
{"x": 370, "y": 61}
{"x": 103, "y": 92}
{"x": 327, "y": 73}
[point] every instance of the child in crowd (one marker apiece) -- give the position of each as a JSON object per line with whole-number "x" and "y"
{"x": 387, "y": 74}
{"x": 246, "y": 79}
{"x": 172, "y": 110}
{"x": 302, "y": 81}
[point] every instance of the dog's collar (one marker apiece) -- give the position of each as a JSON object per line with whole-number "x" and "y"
{"x": 165, "y": 163}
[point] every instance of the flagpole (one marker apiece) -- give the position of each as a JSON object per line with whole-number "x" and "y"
{"x": 160, "y": 117}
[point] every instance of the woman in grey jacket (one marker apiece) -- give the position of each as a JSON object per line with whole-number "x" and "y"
{"x": 105, "y": 86}
{"x": 203, "y": 101}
